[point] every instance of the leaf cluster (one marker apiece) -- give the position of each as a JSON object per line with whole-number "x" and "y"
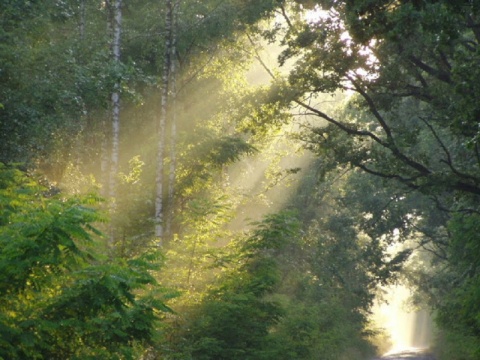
{"x": 59, "y": 298}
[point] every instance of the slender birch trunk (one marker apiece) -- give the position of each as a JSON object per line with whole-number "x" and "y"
{"x": 159, "y": 219}
{"x": 173, "y": 125}
{"x": 117, "y": 27}
{"x": 104, "y": 156}
{"x": 106, "y": 129}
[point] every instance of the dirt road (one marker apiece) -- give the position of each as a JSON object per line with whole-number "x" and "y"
{"x": 413, "y": 354}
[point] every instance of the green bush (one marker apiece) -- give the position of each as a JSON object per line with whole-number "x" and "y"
{"x": 59, "y": 299}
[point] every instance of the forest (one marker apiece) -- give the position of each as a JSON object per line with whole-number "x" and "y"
{"x": 236, "y": 179}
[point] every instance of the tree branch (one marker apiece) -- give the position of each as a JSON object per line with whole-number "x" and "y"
{"x": 285, "y": 16}
{"x": 441, "y": 75}
{"x": 259, "y": 58}
{"x": 474, "y": 26}
{"x": 390, "y": 144}
{"x": 448, "y": 161}
{"x": 407, "y": 181}
{"x": 444, "y": 59}
{"x": 465, "y": 187}
{"x": 345, "y": 127}
{"x": 372, "y": 108}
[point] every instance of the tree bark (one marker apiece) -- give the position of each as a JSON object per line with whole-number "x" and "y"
{"x": 159, "y": 211}
{"x": 173, "y": 124}
{"x": 104, "y": 155}
{"x": 117, "y": 28}
{"x": 117, "y": 23}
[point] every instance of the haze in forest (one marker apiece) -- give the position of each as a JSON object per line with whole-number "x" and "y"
{"x": 239, "y": 179}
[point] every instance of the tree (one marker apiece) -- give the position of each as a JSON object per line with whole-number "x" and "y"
{"x": 173, "y": 123}
{"x": 372, "y": 57}
{"x": 116, "y": 20}
{"x": 408, "y": 71}
{"x": 203, "y": 27}
{"x": 59, "y": 297}
{"x": 235, "y": 317}
{"x": 168, "y": 61}
{"x": 38, "y": 104}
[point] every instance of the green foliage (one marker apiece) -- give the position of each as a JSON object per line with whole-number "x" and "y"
{"x": 40, "y": 236}
{"x": 412, "y": 122}
{"x": 458, "y": 311}
{"x": 332, "y": 274}
{"x": 455, "y": 345}
{"x": 263, "y": 110}
{"x": 196, "y": 249}
{"x": 464, "y": 246}
{"x": 277, "y": 298}
{"x": 319, "y": 330}
{"x": 399, "y": 58}
{"x": 228, "y": 150}
{"x": 59, "y": 298}
{"x": 208, "y": 154}
{"x": 133, "y": 208}
{"x": 235, "y": 317}
{"x": 55, "y": 80}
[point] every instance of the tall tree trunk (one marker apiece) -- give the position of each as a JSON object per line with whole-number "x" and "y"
{"x": 105, "y": 155}
{"x": 117, "y": 30}
{"x": 173, "y": 124}
{"x": 159, "y": 218}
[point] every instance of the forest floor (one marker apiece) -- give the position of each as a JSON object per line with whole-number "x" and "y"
{"x": 410, "y": 354}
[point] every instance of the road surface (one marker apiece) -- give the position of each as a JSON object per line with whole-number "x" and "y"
{"x": 410, "y": 354}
